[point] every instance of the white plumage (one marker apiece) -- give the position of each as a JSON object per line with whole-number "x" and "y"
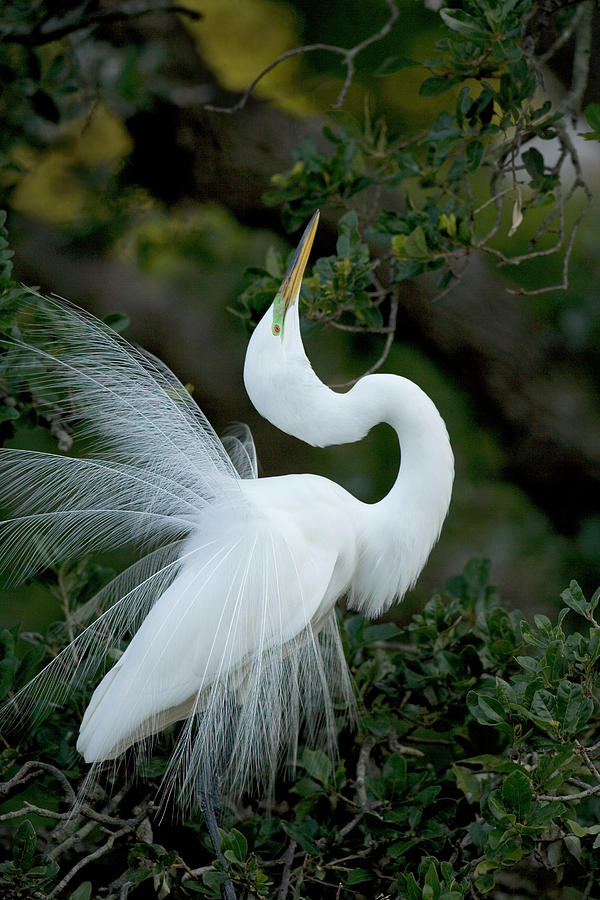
{"x": 228, "y": 616}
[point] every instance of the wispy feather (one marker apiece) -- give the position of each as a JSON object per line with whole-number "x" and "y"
{"x": 220, "y": 626}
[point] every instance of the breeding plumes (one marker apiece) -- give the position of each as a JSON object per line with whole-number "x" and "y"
{"x": 226, "y": 620}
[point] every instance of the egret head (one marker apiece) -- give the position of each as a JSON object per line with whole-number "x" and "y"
{"x": 278, "y": 376}
{"x": 288, "y": 293}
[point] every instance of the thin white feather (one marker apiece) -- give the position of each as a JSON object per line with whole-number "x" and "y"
{"x": 227, "y": 611}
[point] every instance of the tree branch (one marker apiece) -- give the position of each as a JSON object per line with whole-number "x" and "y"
{"x": 571, "y": 105}
{"x": 349, "y": 55}
{"x": 54, "y": 28}
{"x": 97, "y": 853}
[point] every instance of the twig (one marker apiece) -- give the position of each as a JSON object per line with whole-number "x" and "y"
{"x": 54, "y": 28}
{"x": 361, "y": 772}
{"x": 31, "y": 808}
{"x": 32, "y": 770}
{"x": 390, "y": 331}
{"x": 348, "y": 827}
{"x": 579, "y": 795}
{"x": 571, "y": 104}
{"x": 288, "y": 861}
{"x": 348, "y": 55}
{"x": 77, "y": 835}
{"x": 584, "y": 755}
{"x": 18, "y": 779}
{"x": 96, "y": 854}
{"x": 402, "y": 749}
{"x": 588, "y": 888}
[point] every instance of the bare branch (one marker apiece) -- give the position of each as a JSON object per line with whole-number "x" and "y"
{"x": 348, "y": 827}
{"x": 563, "y": 37}
{"x": 287, "y": 871}
{"x": 361, "y": 772}
{"x": 571, "y": 105}
{"x": 586, "y": 758}
{"x": 97, "y": 853}
{"x": 349, "y": 55}
{"x": 390, "y": 330}
{"x": 54, "y": 28}
{"x": 578, "y": 795}
{"x": 33, "y": 769}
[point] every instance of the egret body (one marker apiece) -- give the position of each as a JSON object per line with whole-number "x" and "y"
{"x": 227, "y": 617}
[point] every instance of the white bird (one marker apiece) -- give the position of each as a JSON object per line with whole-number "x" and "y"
{"x": 228, "y": 615}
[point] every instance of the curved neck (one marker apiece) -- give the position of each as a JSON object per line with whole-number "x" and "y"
{"x": 395, "y": 535}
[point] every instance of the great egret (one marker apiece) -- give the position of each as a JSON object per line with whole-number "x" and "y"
{"x": 229, "y": 609}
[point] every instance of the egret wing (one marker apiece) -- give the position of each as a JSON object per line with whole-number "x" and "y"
{"x": 234, "y": 635}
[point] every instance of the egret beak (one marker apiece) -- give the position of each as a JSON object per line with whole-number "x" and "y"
{"x": 290, "y": 286}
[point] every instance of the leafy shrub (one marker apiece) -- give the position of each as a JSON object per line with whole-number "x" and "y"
{"x": 475, "y": 755}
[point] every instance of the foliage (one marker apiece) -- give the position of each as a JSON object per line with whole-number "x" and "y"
{"x": 475, "y": 754}
{"x": 472, "y": 179}
{"x": 20, "y": 406}
{"x": 340, "y": 291}
{"x": 476, "y": 178}
{"x": 11, "y": 295}
{"x": 478, "y": 739}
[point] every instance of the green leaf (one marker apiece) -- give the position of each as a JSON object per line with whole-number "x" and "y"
{"x": 543, "y": 624}
{"x": 395, "y": 64}
{"x": 573, "y": 845}
{"x": 462, "y": 23}
{"x": 474, "y": 154}
{"x": 542, "y": 708}
{"x": 212, "y": 881}
{"x": 505, "y": 692}
{"x": 534, "y": 162}
{"x": 372, "y": 317}
{"x": 435, "y": 85}
{"x": 318, "y": 765}
{"x": 137, "y": 875}
{"x": 24, "y": 845}
{"x": 468, "y": 783}
{"x": 234, "y": 846}
{"x": 517, "y": 794}
{"x": 416, "y": 243}
{"x": 358, "y": 876}
{"x": 487, "y": 710}
{"x": 432, "y": 881}
{"x": 394, "y": 772}
{"x": 9, "y": 414}
{"x": 530, "y": 664}
{"x": 274, "y": 263}
{"x": 573, "y": 709}
{"x": 303, "y": 833}
{"x": 483, "y": 875}
{"x": 574, "y": 598}
{"x": 83, "y": 892}
{"x": 119, "y": 322}
{"x": 385, "y": 632}
{"x": 592, "y": 116}
{"x": 346, "y": 121}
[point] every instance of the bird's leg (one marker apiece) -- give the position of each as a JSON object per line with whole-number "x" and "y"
{"x": 209, "y": 795}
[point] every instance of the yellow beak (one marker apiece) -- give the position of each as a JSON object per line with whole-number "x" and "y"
{"x": 290, "y": 286}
